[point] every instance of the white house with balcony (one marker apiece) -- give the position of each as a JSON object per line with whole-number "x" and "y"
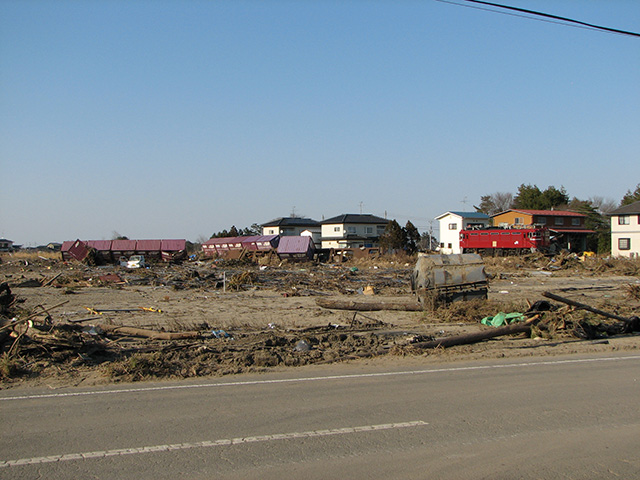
{"x": 451, "y": 223}
{"x": 625, "y": 231}
{"x": 352, "y": 231}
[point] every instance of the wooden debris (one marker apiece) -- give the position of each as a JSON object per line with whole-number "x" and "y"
{"x": 141, "y": 332}
{"x": 50, "y": 281}
{"x": 26, "y": 319}
{"x": 339, "y": 304}
{"x": 573, "y": 303}
{"x": 465, "y": 339}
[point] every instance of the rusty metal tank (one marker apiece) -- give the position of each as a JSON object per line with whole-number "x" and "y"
{"x": 444, "y": 279}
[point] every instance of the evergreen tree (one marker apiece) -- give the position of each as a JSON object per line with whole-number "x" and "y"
{"x": 600, "y": 241}
{"x": 413, "y": 237}
{"x": 631, "y": 197}
{"x": 393, "y": 238}
{"x": 530, "y": 197}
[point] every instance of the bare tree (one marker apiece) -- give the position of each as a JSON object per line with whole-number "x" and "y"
{"x": 496, "y": 202}
{"x": 602, "y": 204}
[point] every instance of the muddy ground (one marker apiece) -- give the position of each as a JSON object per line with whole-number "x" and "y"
{"x": 248, "y": 318}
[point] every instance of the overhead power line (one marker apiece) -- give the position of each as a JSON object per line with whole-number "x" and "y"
{"x": 547, "y": 15}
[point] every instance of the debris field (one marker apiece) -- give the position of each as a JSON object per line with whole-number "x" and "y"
{"x": 63, "y": 323}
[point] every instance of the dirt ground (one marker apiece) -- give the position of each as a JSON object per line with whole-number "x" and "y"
{"x": 248, "y": 318}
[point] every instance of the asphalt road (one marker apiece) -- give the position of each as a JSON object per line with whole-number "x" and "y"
{"x": 561, "y": 417}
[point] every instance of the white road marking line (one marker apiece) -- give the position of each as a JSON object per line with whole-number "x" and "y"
{"x": 207, "y": 444}
{"x": 324, "y": 378}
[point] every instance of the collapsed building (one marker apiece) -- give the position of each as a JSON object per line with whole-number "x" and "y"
{"x": 286, "y": 247}
{"x": 113, "y": 251}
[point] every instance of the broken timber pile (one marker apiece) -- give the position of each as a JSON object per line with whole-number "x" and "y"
{"x": 631, "y": 324}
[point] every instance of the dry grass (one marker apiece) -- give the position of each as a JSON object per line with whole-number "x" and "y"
{"x": 10, "y": 366}
{"x": 633, "y": 291}
{"x": 29, "y": 256}
{"x": 472, "y": 311}
{"x": 564, "y": 264}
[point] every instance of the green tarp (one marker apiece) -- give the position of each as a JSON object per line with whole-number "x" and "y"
{"x": 502, "y": 319}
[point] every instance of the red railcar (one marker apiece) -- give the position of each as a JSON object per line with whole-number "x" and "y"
{"x": 505, "y": 241}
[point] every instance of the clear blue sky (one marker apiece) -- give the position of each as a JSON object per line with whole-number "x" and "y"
{"x": 177, "y": 119}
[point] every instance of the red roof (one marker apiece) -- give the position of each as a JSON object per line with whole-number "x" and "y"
{"x": 79, "y": 250}
{"x": 295, "y": 244}
{"x": 225, "y": 240}
{"x": 148, "y": 245}
{"x": 100, "y": 245}
{"x": 546, "y": 213}
{"x": 173, "y": 245}
{"x": 123, "y": 245}
{"x": 260, "y": 242}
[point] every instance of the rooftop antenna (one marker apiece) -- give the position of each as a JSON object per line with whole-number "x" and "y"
{"x": 464, "y": 202}
{"x": 293, "y": 212}
{"x": 361, "y": 205}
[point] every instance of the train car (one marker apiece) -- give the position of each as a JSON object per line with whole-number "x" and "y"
{"x": 505, "y": 241}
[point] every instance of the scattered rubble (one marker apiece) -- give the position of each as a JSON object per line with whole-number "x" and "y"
{"x": 131, "y": 342}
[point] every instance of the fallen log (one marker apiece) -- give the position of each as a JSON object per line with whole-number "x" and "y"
{"x": 141, "y": 332}
{"x": 339, "y": 304}
{"x": 468, "y": 338}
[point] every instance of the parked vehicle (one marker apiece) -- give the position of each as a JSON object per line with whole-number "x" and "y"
{"x": 134, "y": 261}
{"x": 505, "y": 241}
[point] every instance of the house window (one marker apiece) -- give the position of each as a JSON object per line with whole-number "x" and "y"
{"x": 449, "y": 245}
{"x": 542, "y": 220}
{"x": 272, "y": 232}
{"x": 519, "y": 221}
{"x": 624, "y": 220}
{"x": 559, "y": 221}
{"x": 453, "y": 226}
{"x": 575, "y": 222}
{"x": 351, "y": 229}
{"x": 369, "y": 230}
{"x": 441, "y": 245}
{"x": 624, "y": 244}
{"x": 336, "y": 229}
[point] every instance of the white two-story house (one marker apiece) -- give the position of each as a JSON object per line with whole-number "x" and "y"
{"x": 353, "y": 231}
{"x": 625, "y": 231}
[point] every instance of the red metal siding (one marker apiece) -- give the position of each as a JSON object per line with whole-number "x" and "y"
{"x": 505, "y": 239}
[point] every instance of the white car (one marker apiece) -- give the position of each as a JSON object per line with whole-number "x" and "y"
{"x": 134, "y": 261}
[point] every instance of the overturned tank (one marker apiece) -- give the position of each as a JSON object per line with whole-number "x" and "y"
{"x": 442, "y": 279}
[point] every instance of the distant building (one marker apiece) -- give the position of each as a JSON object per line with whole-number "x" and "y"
{"x": 625, "y": 231}
{"x": 452, "y": 222}
{"x": 567, "y": 228}
{"x": 6, "y": 245}
{"x": 353, "y": 231}
{"x": 293, "y": 226}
